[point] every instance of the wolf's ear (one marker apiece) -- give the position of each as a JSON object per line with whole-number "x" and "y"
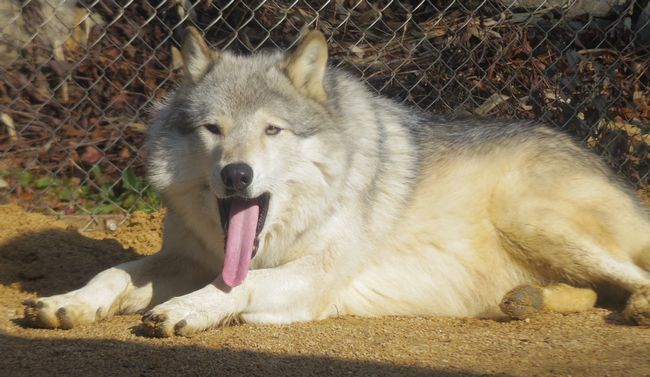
{"x": 307, "y": 64}
{"x": 197, "y": 56}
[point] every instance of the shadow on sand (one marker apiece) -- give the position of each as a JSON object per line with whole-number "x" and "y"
{"x": 56, "y": 261}
{"x": 86, "y": 357}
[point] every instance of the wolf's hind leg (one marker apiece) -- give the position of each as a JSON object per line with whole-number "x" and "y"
{"x": 526, "y": 300}
{"x": 637, "y": 309}
{"x": 583, "y": 233}
{"x": 573, "y": 257}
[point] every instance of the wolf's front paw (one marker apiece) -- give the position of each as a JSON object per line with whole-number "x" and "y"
{"x": 61, "y": 311}
{"x": 178, "y": 316}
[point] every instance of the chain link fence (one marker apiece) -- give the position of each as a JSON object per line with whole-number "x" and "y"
{"x": 79, "y": 77}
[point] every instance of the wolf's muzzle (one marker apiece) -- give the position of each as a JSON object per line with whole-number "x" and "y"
{"x": 237, "y": 176}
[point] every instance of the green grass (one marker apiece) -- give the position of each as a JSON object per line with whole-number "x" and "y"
{"x": 100, "y": 194}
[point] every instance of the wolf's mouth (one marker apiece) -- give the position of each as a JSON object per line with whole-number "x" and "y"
{"x": 224, "y": 212}
{"x": 242, "y": 220}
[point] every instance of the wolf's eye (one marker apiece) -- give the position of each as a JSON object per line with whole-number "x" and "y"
{"x": 272, "y": 130}
{"x": 213, "y": 128}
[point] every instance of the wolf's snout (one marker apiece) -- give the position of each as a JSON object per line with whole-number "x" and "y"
{"x": 237, "y": 176}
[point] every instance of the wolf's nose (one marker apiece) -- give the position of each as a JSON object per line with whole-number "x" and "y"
{"x": 237, "y": 176}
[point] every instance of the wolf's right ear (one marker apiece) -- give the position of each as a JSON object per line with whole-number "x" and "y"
{"x": 306, "y": 66}
{"x": 197, "y": 56}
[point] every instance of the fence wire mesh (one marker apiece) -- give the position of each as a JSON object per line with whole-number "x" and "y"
{"x": 79, "y": 77}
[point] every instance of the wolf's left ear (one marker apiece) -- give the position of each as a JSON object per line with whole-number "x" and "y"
{"x": 197, "y": 56}
{"x": 307, "y": 64}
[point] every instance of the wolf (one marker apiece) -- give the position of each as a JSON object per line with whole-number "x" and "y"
{"x": 295, "y": 193}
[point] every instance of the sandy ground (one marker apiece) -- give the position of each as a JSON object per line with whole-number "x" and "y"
{"x": 42, "y": 256}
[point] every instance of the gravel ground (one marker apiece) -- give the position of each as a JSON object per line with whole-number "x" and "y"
{"x": 42, "y": 256}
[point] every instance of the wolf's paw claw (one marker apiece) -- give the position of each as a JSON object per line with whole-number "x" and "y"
{"x": 179, "y": 327}
{"x": 156, "y": 324}
{"x": 65, "y": 322}
{"x": 175, "y": 317}
{"x": 146, "y": 316}
{"x": 522, "y": 302}
{"x": 33, "y": 303}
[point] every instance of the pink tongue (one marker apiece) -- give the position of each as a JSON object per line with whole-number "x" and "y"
{"x": 242, "y": 225}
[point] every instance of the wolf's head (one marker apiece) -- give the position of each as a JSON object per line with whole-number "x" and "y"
{"x": 238, "y": 136}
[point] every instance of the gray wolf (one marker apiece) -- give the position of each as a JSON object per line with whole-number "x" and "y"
{"x": 295, "y": 194}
